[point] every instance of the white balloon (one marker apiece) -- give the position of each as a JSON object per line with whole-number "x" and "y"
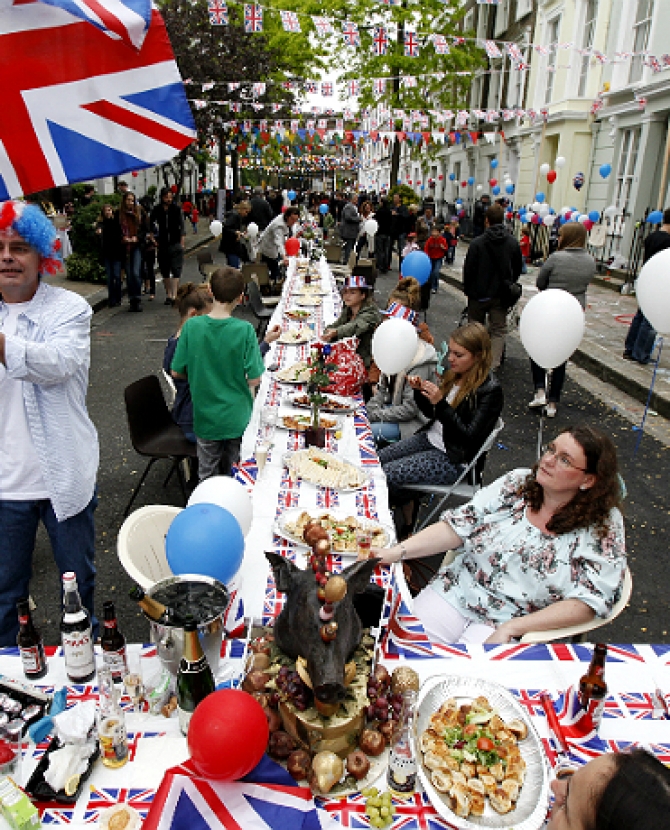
{"x": 227, "y": 493}
{"x": 544, "y": 210}
{"x": 536, "y": 206}
{"x": 564, "y": 210}
{"x": 582, "y": 218}
{"x": 551, "y": 327}
{"x": 560, "y": 162}
{"x": 653, "y": 291}
{"x": 480, "y": 187}
{"x": 529, "y": 215}
{"x": 394, "y": 345}
{"x": 252, "y": 229}
{"x": 549, "y": 220}
{"x": 371, "y": 227}
{"x": 544, "y": 169}
{"x": 611, "y": 211}
{"x": 216, "y": 227}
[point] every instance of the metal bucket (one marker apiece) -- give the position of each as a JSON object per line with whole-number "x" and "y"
{"x": 169, "y": 639}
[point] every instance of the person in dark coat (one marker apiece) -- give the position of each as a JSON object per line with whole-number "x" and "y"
{"x": 261, "y": 212}
{"x": 384, "y": 221}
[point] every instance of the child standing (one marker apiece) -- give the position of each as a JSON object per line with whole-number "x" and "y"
{"x": 195, "y": 215}
{"x": 451, "y": 235}
{"x": 437, "y": 248}
{"x": 411, "y": 245}
{"x": 220, "y": 357}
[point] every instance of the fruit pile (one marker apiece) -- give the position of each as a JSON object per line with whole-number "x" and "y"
{"x": 378, "y": 807}
{"x": 292, "y": 688}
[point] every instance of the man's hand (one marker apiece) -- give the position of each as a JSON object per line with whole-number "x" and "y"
{"x": 430, "y": 391}
{"x": 272, "y": 334}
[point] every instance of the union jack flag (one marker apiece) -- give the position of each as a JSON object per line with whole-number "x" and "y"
{"x": 440, "y": 45}
{"x": 100, "y": 800}
{"x": 101, "y": 112}
{"x": 53, "y": 812}
{"x": 350, "y": 33}
{"x": 403, "y": 634}
{"x": 379, "y": 86}
{"x": 218, "y": 12}
{"x": 653, "y": 62}
{"x": 246, "y": 471}
{"x": 415, "y": 813}
{"x": 258, "y": 88}
{"x": 531, "y": 700}
{"x": 380, "y": 40}
{"x": 411, "y": 44}
{"x": 125, "y": 20}
{"x": 290, "y": 21}
{"x": 311, "y": 87}
{"x": 491, "y": 49}
{"x": 233, "y": 618}
{"x": 295, "y": 124}
{"x": 275, "y": 108}
{"x": 409, "y": 82}
{"x": 515, "y": 54}
{"x": 353, "y": 88}
{"x": 323, "y": 25}
{"x": 327, "y": 89}
{"x": 327, "y": 497}
{"x": 273, "y": 602}
{"x": 457, "y": 40}
{"x": 233, "y": 85}
{"x": 253, "y": 18}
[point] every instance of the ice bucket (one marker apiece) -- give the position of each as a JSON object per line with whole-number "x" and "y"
{"x": 169, "y": 639}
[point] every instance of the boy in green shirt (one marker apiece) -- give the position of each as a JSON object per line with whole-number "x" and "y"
{"x": 219, "y": 355}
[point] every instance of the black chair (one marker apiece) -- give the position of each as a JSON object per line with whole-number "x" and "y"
{"x": 153, "y": 432}
{"x": 206, "y": 264}
{"x": 261, "y": 312}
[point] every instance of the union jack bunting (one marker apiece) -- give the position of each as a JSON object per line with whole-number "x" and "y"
{"x": 665, "y": 60}
{"x": 641, "y": 102}
{"x": 233, "y": 85}
{"x": 350, "y": 33}
{"x": 207, "y": 87}
{"x": 253, "y": 18}
{"x": 541, "y": 50}
{"x": 458, "y": 41}
{"x": 235, "y": 106}
{"x": 218, "y": 12}
{"x": 440, "y": 45}
{"x": 329, "y": 111}
{"x": 275, "y": 108}
{"x": 488, "y": 2}
{"x": 348, "y": 113}
{"x": 322, "y": 25}
{"x": 263, "y": 126}
{"x": 256, "y": 107}
{"x": 507, "y": 115}
{"x": 380, "y": 40}
{"x": 462, "y": 118}
{"x": 653, "y": 63}
{"x": 311, "y": 87}
{"x": 391, "y": 2}
{"x": 279, "y": 125}
{"x": 411, "y": 44}
{"x": 322, "y": 123}
{"x": 567, "y": 45}
{"x": 491, "y": 115}
{"x": 246, "y": 125}
{"x": 290, "y": 21}
{"x": 515, "y": 53}
{"x": 295, "y": 124}
{"x": 409, "y": 82}
{"x": 258, "y": 88}
{"x": 379, "y": 86}
{"x": 126, "y": 20}
{"x": 327, "y": 89}
{"x": 353, "y": 88}
{"x": 309, "y": 125}
{"x": 106, "y": 109}
{"x": 339, "y": 124}
{"x": 491, "y": 49}
{"x": 315, "y": 110}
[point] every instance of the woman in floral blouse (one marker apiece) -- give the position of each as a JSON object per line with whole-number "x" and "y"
{"x": 541, "y": 548}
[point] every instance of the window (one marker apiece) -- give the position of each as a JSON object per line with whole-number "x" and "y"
{"x": 553, "y": 29}
{"x": 523, "y": 7}
{"x": 641, "y": 29}
{"x": 502, "y": 18}
{"x": 482, "y": 21}
{"x": 469, "y": 20}
{"x": 589, "y": 29}
{"x": 515, "y": 87}
{"x": 630, "y": 146}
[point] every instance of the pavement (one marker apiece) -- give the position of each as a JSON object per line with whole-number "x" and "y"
{"x": 125, "y": 347}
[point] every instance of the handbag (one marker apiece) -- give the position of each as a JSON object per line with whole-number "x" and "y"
{"x": 510, "y": 294}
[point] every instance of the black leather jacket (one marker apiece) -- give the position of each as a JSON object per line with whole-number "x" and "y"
{"x": 467, "y": 427}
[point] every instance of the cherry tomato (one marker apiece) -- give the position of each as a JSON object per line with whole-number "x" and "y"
{"x": 485, "y": 744}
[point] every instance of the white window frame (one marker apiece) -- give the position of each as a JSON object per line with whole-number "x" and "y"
{"x": 640, "y": 41}
{"x": 523, "y": 7}
{"x": 588, "y": 35}
{"x": 469, "y": 20}
{"x": 553, "y": 26}
{"x": 517, "y": 82}
{"x": 482, "y": 21}
{"x": 502, "y": 18}
{"x": 628, "y": 158}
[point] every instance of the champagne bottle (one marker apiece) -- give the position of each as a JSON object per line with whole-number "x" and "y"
{"x": 76, "y": 634}
{"x": 401, "y": 775}
{"x": 155, "y": 610}
{"x": 113, "y": 644}
{"x": 111, "y": 722}
{"x": 194, "y": 679}
{"x": 29, "y": 641}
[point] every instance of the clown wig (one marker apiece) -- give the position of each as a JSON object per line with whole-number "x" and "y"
{"x": 31, "y": 224}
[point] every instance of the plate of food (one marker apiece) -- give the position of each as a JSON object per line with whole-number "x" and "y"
{"x": 298, "y": 314}
{"x": 333, "y": 403}
{"x": 325, "y": 469}
{"x": 480, "y": 761}
{"x": 341, "y": 528}
{"x": 312, "y": 300}
{"x": 296, "y": 373}
{"x": 295, "y": 337}
{"x": 294, "y": 420}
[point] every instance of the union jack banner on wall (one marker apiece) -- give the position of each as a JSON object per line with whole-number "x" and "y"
{"x": 350, "y": 33}
{"x": 290, "y": 21}
{"x": 327, "y": 89}
{"x": 253, "y": 18}
{"x": 99, "y": 106}
{"x": 322, "y": 25}
{"x": 380, "y": 40}
{"x": 218, "y": 12}
{"x": 411, "y": 44}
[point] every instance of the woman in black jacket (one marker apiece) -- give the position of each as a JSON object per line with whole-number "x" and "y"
{"x": 231, "y": 236}
{"x": 462, "y": 413}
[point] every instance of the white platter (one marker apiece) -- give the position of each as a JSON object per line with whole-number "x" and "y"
{"x": 291, "y": 516}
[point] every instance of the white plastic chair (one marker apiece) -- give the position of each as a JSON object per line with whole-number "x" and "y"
{"x": 465, "y": 486}
{"x": 141, "y": 544}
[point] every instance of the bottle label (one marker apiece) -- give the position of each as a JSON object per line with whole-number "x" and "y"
{"x": 593, "y": 707}
{"x": 116, "y": 662}
{"x": 402, "y": 774}
{"x": 113, "y": 741}
{"x": 78, "y": 653}
{"x": 110, "y": 623}
{"x": 32, "y": 658}
{"x": 184, "y": 719}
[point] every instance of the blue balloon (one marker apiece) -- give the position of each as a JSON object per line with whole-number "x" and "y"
{"x": 205, "y": 539}
{"x": 655, "y": 217}
{"x": 594, "y": 215}
{"x": 471, "y": 180}
{"x": 540, "y": 197}
{"x": 509, "y": 189}
{"x": 605, "y": 170}
{"x": 494, "y": 163}
{"x": 323, "y": 209}
{"x": 452, "y": 177}
{"x": 562, "y": 220}
{"x": 458, "y": 202}
{"x": 496, "y": 190}
{"x": 291, "y": 195}
{"x": 417, "y": 265}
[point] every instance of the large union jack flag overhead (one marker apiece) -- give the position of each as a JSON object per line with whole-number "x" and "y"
{"x": 80, "y": 102}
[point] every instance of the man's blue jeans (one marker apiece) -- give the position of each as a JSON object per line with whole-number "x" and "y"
{"x": 435, "y": 267}
{"x": 641, "y": 338}
{"x": 73, "y": 545}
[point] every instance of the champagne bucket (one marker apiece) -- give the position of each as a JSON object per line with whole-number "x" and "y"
{"x": 169, "y": 639}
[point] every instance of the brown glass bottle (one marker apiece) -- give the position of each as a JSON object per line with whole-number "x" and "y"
{"x": 29, "y": 641}
{"x": 113, "y": 644}
{"x": 592, "y": 685}
{"x": 194, "y": 679}
{"x": 156, "y": 611}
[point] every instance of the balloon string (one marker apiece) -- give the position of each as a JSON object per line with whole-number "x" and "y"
{"x": 651, "y": 391}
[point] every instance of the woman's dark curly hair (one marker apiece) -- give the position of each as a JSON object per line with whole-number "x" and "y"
{"x": 588, "y": 508}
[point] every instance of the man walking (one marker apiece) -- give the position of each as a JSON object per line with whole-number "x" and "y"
{"x": 492, "y": 264}
{"x": 48, "y": 444}
{"x": 170, "y": 253}
{"x": 261, "y": 212}
{"x": 399, "y": 227}
{"x": 350, "y": 226}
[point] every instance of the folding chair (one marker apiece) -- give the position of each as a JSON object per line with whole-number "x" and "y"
{"x": 261, "y": 312}
{"x": 333, "y": 252}
{"x": 206, "y": 264}
{"x": 258, "y": 272}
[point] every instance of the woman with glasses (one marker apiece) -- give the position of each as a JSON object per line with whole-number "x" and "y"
{"x": 540, "y": 549}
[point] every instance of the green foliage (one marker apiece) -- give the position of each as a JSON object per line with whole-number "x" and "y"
{"x": 85, "y": 268}
{"x": 84, "y": 240}
{"x": 407, "y": 195}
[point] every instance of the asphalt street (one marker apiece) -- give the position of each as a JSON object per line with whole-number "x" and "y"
{"x": 126, "y": 347}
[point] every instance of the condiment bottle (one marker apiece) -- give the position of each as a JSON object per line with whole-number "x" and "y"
{"x": 113, "y": 645}
{"x": 111, "y": 722}
{"x": 29, "y": 641}
{"x": 194, "y": 679}
{"x": 401, "y": 775}
{"x": 76, "y": 634}
{"x": 592, "y": 686}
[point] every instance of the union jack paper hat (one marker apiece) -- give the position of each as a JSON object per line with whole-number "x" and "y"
{"x": 355, "y": 281}
{"x": 31, "y": 224}
{"x": 402, "y": 313}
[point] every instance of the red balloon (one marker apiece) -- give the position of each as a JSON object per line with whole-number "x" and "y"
{"x": 292, "y": 246}
{"x": 440, "y": 177}
{"x": 551, "y": 176}
{"x": 461, "y": 214}
{"x": 536, "y": 219}
{"x": 134, "y": 174}
{"x": 464, "y": 184}
{"x": 227, "y": 735}
{"x": 409, "y": 181}
{"x": 588, "y": 224}
{"x": 493, "y": 182}
{"x": 174, "y": 188}
{"x": 568, "y": 214}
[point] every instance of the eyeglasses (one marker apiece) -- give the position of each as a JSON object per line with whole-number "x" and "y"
{"x": 564, "y": 461}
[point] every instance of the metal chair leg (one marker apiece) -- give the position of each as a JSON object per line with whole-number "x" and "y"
{"x": 137, "y": 489}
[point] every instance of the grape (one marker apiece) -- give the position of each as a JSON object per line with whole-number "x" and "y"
{"x": 368, "y": 791}
{"x": 382, "y": 715}
{"x": 371, "y": 811}
{"x": 384, "y": 811}
{"x": 397, "y": 705}
{"x": 382, "y": 702}
{"x": 370, "y": 713}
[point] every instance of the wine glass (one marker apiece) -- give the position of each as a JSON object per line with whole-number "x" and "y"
{"x": 133, "y": 682}
{"x": 268, "y": 423}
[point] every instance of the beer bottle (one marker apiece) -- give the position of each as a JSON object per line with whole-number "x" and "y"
{"x": 194, "y": 679}
{"x": 592, "y": 686}
{"x": 401, "y": 775}
{"x": 29, "y": 641}
{"x": 112, "y": 733}
{"x": 113, "y": 644}
{"x": 76, "y": 634}
{"x": 155, "y": 610}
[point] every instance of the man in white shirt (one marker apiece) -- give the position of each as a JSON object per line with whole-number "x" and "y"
{"x": 48, "y": 444}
